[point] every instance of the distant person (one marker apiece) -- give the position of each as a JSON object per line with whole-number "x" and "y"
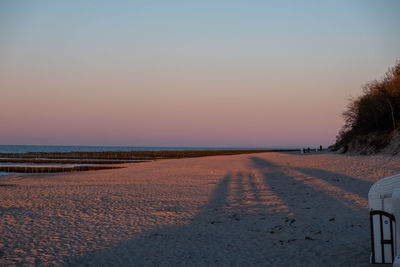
{"x": 320, "y": 148}
{"x": 308, "y": 150}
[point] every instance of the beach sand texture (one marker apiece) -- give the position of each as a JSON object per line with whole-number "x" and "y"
{"x": 268, "y": 209}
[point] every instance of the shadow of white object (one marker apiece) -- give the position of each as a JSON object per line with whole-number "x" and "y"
{"x": 396, "y": 213}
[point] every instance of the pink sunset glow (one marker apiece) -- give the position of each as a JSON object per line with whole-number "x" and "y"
{"x": 160, "y": 79}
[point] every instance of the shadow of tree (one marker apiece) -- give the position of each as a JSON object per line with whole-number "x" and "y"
{"x": 258, "y": 218}
{"x": 230, "y": 230}
{"x": 332, "y": 219}
{"x": 348, "y": 183}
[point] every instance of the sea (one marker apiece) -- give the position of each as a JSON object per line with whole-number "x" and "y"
{"x": 47, "y": 148}
{"x": 37, "y": 148}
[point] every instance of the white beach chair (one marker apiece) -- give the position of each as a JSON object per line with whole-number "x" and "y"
{"x": 384, "y": 203}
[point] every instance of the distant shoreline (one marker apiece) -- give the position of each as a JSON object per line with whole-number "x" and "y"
{"x": 43, "y": 162}
{"x": 56, "y": 148}
{"x": 134, "y": 154}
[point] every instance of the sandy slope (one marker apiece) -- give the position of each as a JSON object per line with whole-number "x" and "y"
{"x": 270, "y": 209}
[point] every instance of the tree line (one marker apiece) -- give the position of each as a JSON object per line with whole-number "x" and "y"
{"x": 376, "y": 110}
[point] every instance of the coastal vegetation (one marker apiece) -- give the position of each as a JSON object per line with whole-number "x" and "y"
{"x": 372, "y": 120}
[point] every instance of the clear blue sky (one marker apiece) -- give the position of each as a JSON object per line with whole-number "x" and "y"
{"x": 185, "y": 73}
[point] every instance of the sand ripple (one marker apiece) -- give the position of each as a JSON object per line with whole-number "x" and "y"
{"x": 260, "y": 209}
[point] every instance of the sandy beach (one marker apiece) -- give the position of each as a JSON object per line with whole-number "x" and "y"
{"x": 268, "y": 209}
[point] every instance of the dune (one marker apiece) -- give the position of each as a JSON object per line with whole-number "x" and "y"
{"x": 264, "y": 209}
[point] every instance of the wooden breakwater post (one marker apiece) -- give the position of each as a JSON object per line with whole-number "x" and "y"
{"x": 34, "y": 169}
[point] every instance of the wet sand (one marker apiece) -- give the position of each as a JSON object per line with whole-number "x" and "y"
{"x": 266, "y": 209}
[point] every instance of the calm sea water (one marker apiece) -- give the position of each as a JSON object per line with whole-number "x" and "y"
{"x": 30, "y": 148}
{"x": 24, "y": 149}
{"x": 8, "y": 173}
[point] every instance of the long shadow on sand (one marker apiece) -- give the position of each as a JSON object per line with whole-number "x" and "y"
{"x": 348, "y": 183}
{"x": 233, "y": 229}
{"x": 262, "y": 219}
{"x": 329, "y": 224}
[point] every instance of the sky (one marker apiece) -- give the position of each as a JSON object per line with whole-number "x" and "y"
{"x": 188, "y": 73}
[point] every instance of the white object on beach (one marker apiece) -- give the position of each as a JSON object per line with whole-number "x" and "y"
{"x": 396, "y": 213}
{"x": 384, "y": 203}
{"x": 380, "y": 193}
